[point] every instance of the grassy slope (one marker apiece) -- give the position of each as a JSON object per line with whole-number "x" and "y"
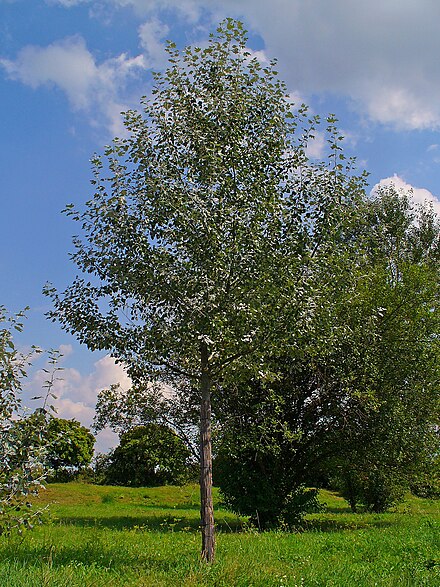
{"x": 121, "y": 537}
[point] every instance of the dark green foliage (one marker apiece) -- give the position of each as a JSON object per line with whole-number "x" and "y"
{"x": 393, "y": 357}
{"x": 250, "y": 486}
{"x": 265, "y": 447}
{"x": 427, "y": 482}
{"x": 362, "y": 409}
{"x": 149, "y": 455}
{"x": 70, "y": 447}
{"x": 375, "y": 489}
{"x": 100, "y": 466}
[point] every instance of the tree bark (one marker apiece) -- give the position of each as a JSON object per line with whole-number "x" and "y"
{"x": 206, "y": 504}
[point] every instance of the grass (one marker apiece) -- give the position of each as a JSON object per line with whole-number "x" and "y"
{"x": 123, "y": 537}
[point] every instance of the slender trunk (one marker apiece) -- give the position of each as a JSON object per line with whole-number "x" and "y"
{"x": 206, "y": 505}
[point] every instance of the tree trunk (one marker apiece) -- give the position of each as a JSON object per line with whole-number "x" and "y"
{"x": 206, "y": 505}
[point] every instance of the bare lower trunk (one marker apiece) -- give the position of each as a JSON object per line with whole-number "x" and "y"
{"x": 206, "y": 505}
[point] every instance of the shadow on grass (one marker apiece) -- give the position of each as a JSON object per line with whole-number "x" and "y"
{"x": 145, "y": 556}
{"x": 179, "y": 523}
{"x": 99, "y": 556}
{"x": 150, "y": 523}
{"x": 338, "y": 510}
{"x": 341, "y": 525}
{"x": 182, "y": 506}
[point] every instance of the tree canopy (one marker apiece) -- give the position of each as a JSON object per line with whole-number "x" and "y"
{"x": 69, "y": 445}
{"x": 364, "y": 408}
{"x": 147, "y": 456}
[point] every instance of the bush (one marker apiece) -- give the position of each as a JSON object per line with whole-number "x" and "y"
{"x": 374, "y": 489}
{"x": 252, "y": 485}
{"x": 149, "y": 455}
{"x": 427, "y": 483}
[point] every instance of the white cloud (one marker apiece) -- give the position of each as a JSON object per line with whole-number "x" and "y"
{"x": 316, "y": 147}
{"x": 65, "y": 350}
{"x": 259, "y": 55}
{"x": 106, "y": 439}
{"x": 68, "y": 65}
{"x": 297, "y": 99}
{"x": 401, "y": 107}
{"x": 152, "y": 34}
{"x": 383, "y": 55}
{"x": 419, "y": 195}
{"x": 76, "y": 393}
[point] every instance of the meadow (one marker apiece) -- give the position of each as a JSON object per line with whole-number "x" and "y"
{"x": 123, "y": 537}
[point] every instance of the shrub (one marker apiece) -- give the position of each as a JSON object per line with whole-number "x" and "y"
{"x": 374, "y": 489}
{"x": 253, "y": 485}
{"x": 149, "y": 455}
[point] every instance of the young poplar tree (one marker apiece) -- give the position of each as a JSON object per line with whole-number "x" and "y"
{"x": 197, "y": 230}
{"x": 22, "y": 452}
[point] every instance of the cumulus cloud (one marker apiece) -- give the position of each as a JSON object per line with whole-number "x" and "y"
{"x": 152, "y": 35}
{"x": 76, "y": 392}
{"x": 381, "y": 55}
{"x": 316, "y": 146}
{"x": 419, "y": 195}
{"x": 68, "y": 65}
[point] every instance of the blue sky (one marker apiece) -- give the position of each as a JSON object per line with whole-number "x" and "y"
{"x": 68, "y": 67}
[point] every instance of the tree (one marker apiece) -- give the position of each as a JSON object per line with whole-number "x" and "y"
{"x": 396, "y": 319}
{"x": 202, "y": 230}
{"x": 70, "y": 445}
{"x": 21, "y": 462}
{"x": 145, "y": 405}
{"x": 268, "y": 438}
{"x": 148, "y": 455}
{"x": 362, "y": 409}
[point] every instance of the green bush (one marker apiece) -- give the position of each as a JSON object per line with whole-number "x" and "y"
{"x": 253, "y": 485}
{"x": 373, "y": 489}
{"x": 427, "y": 483}
{"x": 149, "y": 455}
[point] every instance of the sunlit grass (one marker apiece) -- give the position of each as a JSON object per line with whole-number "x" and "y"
{"x": 118, "y": 537}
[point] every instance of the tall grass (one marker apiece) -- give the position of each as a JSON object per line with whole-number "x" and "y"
{"x": 121, "y": 537}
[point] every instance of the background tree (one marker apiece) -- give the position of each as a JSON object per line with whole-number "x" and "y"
{"x": 69, "y": 446}
{"x": 200, "y": 231}
{"x": 362, "y": 409}
{"x": 142, "y": 405}
{"x": 394, "y": 353}
{"x": 150, "y": 455}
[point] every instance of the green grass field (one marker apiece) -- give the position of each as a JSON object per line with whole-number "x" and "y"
{"x": 121, "y": 537}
